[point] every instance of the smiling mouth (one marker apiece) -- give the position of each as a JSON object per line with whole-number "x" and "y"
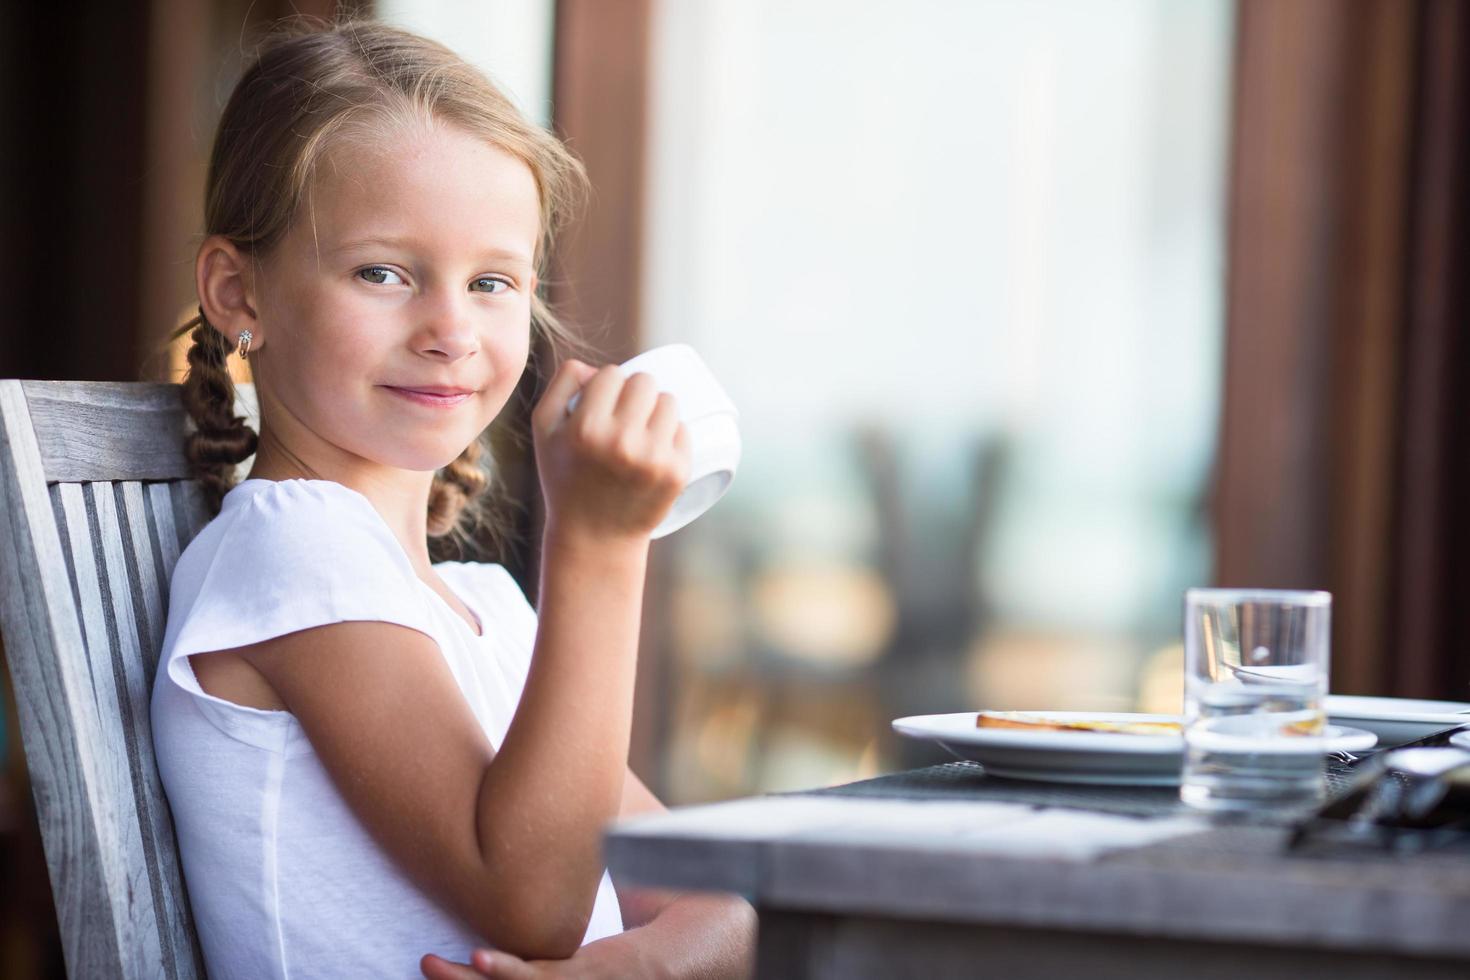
{"x": 432, "y": 397}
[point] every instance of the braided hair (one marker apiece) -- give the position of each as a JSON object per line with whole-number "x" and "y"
{"x": 220, "y": 439}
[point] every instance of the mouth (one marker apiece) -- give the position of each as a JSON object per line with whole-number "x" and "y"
{"x": 432, "y": 395}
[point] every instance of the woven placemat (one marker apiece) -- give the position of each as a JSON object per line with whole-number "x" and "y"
{"x": 969, "y": 781}
{"x": 1443, "y": 859}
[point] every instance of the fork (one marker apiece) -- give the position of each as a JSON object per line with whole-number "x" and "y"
{"x": 1441, "y": 737}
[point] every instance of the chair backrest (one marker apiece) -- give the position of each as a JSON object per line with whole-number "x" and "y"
{"x": 95, "y": 507}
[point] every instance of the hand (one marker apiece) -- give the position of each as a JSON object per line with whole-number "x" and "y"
{"x": 600, "y": 960}
{"x": 690, "y": 936}
{"x": 615, "y": 464}
{"x": 486, "y": 963}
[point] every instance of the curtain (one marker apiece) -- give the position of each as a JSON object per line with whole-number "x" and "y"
{"x": 1343, "y": 447}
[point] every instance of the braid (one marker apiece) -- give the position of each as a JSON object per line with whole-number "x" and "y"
{"x": 455, "y": 487}
{"x": 471, "y": 512}
{"x": 220, "y": 438}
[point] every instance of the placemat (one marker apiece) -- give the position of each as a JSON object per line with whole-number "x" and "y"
{"x": 968, "y": 780}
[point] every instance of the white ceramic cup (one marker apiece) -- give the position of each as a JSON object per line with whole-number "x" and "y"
{"x": 709, "y": 417}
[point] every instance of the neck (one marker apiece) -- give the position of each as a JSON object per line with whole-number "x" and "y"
{"x": 401, "y": 497}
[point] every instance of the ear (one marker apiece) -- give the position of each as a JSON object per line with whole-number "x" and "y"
{"x": 224, "y": 277}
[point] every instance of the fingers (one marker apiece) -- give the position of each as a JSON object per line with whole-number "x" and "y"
{"x": 685, "y": 449}
{"x": 483, "y": 963}
{"x": 568, "y": 380}
{"x": 636, "y": 400}
{"x": 664, "y": 419}
{"x": 615, "y": 463}
{"x": 605, "y": 392}
{"x": 600, "y": 394}
{"x": 500, "y": 964}
{"x": 437, "y": 968}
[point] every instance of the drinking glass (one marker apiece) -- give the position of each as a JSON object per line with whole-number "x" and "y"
{"x": 1255, "y": 680}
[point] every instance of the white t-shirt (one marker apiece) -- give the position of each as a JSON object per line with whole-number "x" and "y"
{"x": 283, "y": 879}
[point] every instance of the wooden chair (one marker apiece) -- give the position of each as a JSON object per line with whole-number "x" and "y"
{"x": 95, "y": 507}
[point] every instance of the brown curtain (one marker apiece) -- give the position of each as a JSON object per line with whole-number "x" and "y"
{"x": 71, "y": 171}
{"x": 1344, "y": 451}
{"x": 106, "y": 114}
{"x": 601, "y": 90}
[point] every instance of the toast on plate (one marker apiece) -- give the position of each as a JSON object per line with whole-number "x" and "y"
{"x": 1036, "y": 722}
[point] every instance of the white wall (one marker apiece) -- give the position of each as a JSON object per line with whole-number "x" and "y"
{"x": 957, "y": 220}
{"x": 510, "y": 40}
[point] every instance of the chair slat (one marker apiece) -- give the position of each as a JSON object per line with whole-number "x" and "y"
{"x": 145, "y": 567}
{"x": 190, "y": 511}
{"x": 126, "y": 563}
{"x": 99, "y": 431}
{"x": 161, "y": 513}
{"x": 155, "y": 506}
{"x": 99, "y": 613}
{"x": 69, "y": 503}
{"x": 65, "y": 751}
{"x": 93, "y": 430}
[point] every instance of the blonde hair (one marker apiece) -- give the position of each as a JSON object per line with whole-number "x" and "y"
{"x": 307, "y": 87}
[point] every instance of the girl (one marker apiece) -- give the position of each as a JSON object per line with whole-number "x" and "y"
{"x": 369, "y": 756}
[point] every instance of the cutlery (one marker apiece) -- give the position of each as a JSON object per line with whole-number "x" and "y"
{"x": 1441, "y": 737}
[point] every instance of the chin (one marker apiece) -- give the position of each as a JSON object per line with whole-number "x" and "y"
{"x": 422, "y": 459}
{"x": 427, "y": 463}
{"x": 420, "y": 448}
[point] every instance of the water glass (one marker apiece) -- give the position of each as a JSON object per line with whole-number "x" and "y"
{"x": 1255, "y": 684}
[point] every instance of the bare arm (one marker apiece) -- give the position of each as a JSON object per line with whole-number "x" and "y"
{"x": 563, "y": 759}
{"x": 680, "y": 935}
{"x": 640, "y": 905}
{"x": 511, "y": 842}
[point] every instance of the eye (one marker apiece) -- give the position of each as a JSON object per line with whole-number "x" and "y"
{"x": 488, "y": 284}
{"x": 380, "y": 275}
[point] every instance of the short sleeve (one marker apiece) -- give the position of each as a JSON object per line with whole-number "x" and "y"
{"x": 281, "y": 557}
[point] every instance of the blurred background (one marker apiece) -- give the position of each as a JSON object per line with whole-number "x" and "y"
{"x": 1038, "y": 312}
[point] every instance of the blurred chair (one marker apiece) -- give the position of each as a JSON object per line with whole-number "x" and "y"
{"x": 95, "y": 507}
{"x": 931, "y": 564}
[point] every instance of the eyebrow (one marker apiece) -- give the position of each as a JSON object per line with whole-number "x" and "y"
{"x": 393, "y": 241}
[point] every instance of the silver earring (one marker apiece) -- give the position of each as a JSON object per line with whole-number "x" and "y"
{"x": 244, "y": 349}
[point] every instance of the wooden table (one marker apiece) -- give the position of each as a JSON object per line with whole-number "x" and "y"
{"x": 889, "y": 879}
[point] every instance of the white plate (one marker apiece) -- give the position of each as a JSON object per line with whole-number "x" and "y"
{"x": 1396, "y": 720}
{"x": 1291, "y": 675}
{"x": 1080, "y": 757}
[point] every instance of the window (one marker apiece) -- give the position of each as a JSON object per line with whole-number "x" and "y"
{"x": 961, "y": 267}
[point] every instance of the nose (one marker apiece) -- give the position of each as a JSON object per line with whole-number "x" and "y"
{"x": 447, "y": 330}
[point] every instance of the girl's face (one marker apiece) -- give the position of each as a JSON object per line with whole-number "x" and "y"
{"x": 395, "y": 314}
